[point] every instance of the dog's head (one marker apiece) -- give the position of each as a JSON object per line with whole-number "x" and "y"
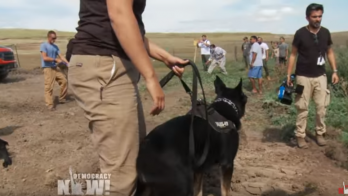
{"x": 235, "y": 95}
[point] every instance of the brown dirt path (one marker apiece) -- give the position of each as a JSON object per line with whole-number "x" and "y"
{"x": 44, "y": 144}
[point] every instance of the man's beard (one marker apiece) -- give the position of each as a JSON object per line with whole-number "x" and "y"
{"x": 315, "y": 25}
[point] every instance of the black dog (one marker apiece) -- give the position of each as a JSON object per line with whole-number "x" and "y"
{"x": 4, "y": 154}
{"x": 163, "y": 162}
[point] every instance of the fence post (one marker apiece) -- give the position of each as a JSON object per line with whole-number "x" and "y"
{"x": 235, "y": 53}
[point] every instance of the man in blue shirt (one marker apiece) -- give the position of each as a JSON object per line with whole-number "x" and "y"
{"x": 50, "y": 58}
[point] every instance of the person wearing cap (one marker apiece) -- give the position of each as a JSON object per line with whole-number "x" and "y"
{"x": 217, "y": 58}
{"x": 204, "y": 44}
{"x": 246, "y": 52}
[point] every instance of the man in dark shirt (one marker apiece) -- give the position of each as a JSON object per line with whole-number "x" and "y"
{"x": 110, "y": 52}
{"x": 311, "y": 43}
{"x": 246, "y": 52}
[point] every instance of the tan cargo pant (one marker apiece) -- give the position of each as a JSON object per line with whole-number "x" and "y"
{"x": 50, "y": 76}
{"x": 105, "y": 87}
{"x": 221, "y": 63}
{"x": 315, "y": 88}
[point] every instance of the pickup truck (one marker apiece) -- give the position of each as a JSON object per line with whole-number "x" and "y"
{"x": 7, "y": 61}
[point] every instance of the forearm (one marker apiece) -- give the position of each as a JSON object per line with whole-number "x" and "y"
{"x": 49, "y": 59}
{"x": 253, "y": 59}
{"x": 155, "y": 51}
{"x": 332, "y": 60}
{"x": 63, "y": 58}
{"x": 127, "y": 31}
{"x": 291, "y": 63}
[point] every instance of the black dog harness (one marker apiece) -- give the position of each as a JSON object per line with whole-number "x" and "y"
{"x": 218, "y": 122}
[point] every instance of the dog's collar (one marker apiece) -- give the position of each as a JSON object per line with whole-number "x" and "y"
{"x": 229, "y": 102}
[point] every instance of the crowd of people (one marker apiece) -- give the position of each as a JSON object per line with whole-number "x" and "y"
{"x": 99, "y": 49}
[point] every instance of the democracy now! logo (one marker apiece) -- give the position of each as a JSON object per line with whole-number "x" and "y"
{"x": 96, "y": 184}
{"x": 343, "y": 190}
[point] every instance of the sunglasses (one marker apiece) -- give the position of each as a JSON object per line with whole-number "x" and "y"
{"x": 316, "y": 40}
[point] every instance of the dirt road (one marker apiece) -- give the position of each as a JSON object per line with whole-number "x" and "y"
{"x": 44, "y": 144}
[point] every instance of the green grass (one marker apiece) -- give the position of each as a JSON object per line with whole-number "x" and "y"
{"x": 337, "y": 112}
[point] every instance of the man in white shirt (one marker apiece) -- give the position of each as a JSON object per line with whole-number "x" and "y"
{"x": 218, "y": 57}
{"x": 265, "y": 49}
{"x": 204, "y": 44}
{"x": 256, "y": 64}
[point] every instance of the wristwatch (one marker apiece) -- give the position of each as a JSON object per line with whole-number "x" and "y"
{"x": 335, "y": 71}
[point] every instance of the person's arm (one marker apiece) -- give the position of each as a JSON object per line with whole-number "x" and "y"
{"x": 223, "y": 52}
{"x": 331, "y": 54}
{"x": 266, "y": 48}
{"x": 254, "y": 54}
{"x": 156, "y": 52}
{"x": 292, "y": 58}
{"x": 286, "y": 51}
{"x": 200, "y": 44}
{"x": 207, "y": 43}
{"x": 294, "y": 50}
{"x": 63, "y": 58}
{"x": 127, "y": 31}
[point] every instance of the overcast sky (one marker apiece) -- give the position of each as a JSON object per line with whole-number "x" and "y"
{"x": 275, "y": 16}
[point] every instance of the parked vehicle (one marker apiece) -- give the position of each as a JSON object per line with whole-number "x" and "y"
{"x": 8, "y": 62}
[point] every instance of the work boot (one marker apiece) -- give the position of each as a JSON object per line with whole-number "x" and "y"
{"x": 321, "y": 140}
{"x": 301, "y": 142}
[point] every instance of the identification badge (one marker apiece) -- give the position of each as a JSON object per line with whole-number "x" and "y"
{"x": 321, "y": 61}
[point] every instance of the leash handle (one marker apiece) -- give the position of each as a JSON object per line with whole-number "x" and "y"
{"x": 170, "y": 75}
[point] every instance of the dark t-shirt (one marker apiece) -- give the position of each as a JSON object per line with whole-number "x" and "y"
{"x": 246, "y": 46}
{"x": 95, "y": 35}
{"x": 309, "y": 51}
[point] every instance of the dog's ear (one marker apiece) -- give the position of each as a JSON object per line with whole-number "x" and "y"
{"x": 219, "y": 85}
{"x": 240, "y": 85}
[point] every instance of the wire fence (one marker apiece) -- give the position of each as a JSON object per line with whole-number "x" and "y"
{"x": 183, "y": 50}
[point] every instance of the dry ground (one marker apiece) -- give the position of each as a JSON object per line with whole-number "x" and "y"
{"x": 44, "y": 144}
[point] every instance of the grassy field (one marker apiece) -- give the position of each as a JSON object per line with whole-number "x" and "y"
{"x": 27, "y": 44}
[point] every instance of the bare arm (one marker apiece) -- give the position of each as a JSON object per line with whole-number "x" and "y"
{"x": 63, "y": 58}
{"x": 331, "y": 58}
{"x": 292, "y": 58}
{"x": 155, "y": 51}
{"x": 253, "y": 59}
{"x": 127, "y": 31}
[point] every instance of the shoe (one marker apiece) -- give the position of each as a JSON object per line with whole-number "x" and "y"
{"x": 62, "y": 101}
{"x": 301, "y": 142}
{"x": 321, "y": 140}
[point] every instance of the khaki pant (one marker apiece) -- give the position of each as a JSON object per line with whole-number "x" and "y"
{"x": 105, "y": 87}
{"x": 315, "y": 88}
{"x": 221, "y": 63}
{"x": 50, "y": 76}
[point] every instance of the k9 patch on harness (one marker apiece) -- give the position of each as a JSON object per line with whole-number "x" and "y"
{"x": 216, "y": 121}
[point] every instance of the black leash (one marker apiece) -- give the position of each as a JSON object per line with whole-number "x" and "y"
{"x": 193, "y": 95}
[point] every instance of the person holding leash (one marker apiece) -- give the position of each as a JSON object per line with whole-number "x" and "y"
{"x": 312, "y": 43}
{"x": 51, "y": 59}
{"x": 110, "y": 53}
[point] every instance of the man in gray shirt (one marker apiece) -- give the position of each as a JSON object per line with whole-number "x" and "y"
{"x": 246, "y": 52}
{"x": 283, "y": 52}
